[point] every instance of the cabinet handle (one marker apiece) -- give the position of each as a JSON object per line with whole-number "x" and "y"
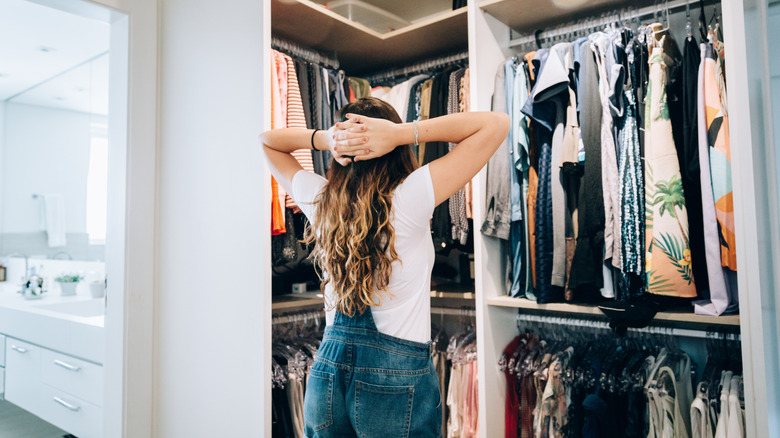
{"x": 73, "y": 408}
{"x": 66, "y": 365}
{"x": 19, "y": 349}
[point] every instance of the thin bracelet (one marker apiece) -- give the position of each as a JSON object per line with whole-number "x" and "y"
{"x": 415, "y": 132}
{"x": 312, "y": 139}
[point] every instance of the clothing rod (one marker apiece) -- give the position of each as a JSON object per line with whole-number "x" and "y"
{"x": 419, "y": 67}
{"x": 305, "y": 53}
{"x": 673, "y": 6}
{"x": 296, "y": 317}
{"x": 589, "y": 323}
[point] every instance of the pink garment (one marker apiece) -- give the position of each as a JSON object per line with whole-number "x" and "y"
{"x": 471, "y": 403}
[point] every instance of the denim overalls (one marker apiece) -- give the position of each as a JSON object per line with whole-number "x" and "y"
{"x": 368, "y": 384}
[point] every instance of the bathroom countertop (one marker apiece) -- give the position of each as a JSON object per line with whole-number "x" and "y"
{"x": 31, "y": 321}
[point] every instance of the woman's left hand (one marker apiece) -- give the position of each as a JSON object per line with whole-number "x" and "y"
{"x": 382, "y": 136}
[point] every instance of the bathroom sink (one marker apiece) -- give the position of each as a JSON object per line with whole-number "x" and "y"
{"x": 85, "y": 308}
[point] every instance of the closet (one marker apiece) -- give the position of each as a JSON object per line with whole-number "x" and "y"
{"x": 490, "y": 32}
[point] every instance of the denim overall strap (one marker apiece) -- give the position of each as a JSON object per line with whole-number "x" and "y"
{"x": 363, "y": 320}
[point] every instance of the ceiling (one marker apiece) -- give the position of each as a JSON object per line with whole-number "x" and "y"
{"x": 53, "y": 58}
{"x": 409, "y": 10}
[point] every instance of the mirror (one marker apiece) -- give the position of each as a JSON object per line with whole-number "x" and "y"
{"x": 54, "y": 145}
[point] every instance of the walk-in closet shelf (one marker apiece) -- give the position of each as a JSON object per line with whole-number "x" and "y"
{"x": 361, "y": 50}
{"x": 483, "y": 28}
{"x": 683, "y": 317}
{"x": 530, "y": 15}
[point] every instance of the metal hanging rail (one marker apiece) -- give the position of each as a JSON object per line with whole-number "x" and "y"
{"x": 453, "y": 311}
{"x": 603, "y": 325}
{"x": 418, "y": 68}
{"x": 586, "y": 26}
{"x": 298, "y": 317}
{"x": 305, "y": 53}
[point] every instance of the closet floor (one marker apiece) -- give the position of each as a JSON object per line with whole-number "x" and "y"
{"x": 15, "y": 422}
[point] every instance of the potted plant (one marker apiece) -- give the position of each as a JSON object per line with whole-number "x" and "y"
{"x": 68, "y": 283}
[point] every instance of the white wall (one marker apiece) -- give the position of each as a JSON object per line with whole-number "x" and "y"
{"x": 2, "y": 161}
{"x": 209, "y": 375}
{"x": 46, "y": 151}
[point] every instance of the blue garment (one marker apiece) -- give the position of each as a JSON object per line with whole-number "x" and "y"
{"x": 515, "y": 191}
{"x": 519, "y": 277}
{"x": 545, "y": 293}
{"x": 369, "y": 384}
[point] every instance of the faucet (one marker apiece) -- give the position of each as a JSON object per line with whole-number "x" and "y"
{"x": 65, "y": 253}
{"x": 26, "y": 264}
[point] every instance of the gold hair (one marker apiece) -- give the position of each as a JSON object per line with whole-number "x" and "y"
{"x": 352, "y": 227}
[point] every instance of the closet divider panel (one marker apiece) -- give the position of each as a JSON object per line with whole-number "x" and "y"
{"x": 755, "y": 208}
{"x": 265, "y": 269}
{"x": 488, "y": 41}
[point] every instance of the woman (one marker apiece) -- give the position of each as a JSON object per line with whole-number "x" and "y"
{"x": 373, "y": 375}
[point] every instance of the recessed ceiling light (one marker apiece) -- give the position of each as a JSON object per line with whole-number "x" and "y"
{"x": 47, "y": 49}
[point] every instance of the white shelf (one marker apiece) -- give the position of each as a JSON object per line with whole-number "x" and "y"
{"x": 361, "y": 50}
{"x": 530, "y": 15}
{"x": 578, "y": 309}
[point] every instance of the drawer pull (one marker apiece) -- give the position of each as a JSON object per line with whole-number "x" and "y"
{"x": 73, "y": 408}
{"x": 19, "y": 349}
{"x": 66, "y": 365}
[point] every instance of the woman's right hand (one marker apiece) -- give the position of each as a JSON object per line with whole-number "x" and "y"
{"x": 344, "y": 138}
{"x": 362, "y": 138}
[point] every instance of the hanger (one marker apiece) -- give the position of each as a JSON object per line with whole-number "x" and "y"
{"x": 688, "y": 25}
{"x": 702, "y": 21}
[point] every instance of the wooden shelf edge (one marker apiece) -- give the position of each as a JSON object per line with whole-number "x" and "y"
{"x": 688, "y": 318}
{"x": 455, "y": 295}
{"x": 422, "y": 24}
{"x": 293, "y": 302}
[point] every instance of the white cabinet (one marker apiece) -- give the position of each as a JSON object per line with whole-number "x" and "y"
{"x": 2, "y": 351}
{"x": 63, "y": 390}
{"x": 70, "y": 413}
{"x": 23, "y": 365}
{"x": 74, "y": 376}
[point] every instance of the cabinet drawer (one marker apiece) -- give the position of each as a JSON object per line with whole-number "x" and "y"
{"x": 2, "y": 350}
{"x": 22, "y": 372}
{"x": 76, "y": 416}
{"x": 74, "y": 376}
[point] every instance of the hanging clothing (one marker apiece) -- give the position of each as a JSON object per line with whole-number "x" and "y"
{"x": 603, "y": 47}
{"x": 296, "y": 119}
{"x": 717, "y": 120}
{"x": 586, "y": 273}
{"x": 712, "y": 130}
{"x": 668, "y": 256}
{"x": 278, "y": 120}
{"x": 690, "y": 169}
{"x": 631, "y": 192}
{"x": 457, "y": 202}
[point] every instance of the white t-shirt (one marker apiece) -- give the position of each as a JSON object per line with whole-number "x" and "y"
{"x": 405, "y": 311}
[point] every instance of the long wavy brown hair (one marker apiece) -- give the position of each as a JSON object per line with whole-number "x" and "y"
{"x": 352, "y": 229}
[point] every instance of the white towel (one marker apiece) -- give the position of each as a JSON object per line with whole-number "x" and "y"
{"x": 53, "y": 219}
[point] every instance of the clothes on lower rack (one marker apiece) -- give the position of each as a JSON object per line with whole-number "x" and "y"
{"x": 563, "y": 383}
{"x": 612, "y": 137}
{"x": 455, "y": 360}
{"x": 294, "y": 348}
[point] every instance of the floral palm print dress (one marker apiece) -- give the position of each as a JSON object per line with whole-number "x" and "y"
{"x": 668, "y": 256}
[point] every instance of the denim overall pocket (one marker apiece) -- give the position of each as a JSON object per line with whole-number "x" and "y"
{"x": 318, "y": 401}
{"x": 383, "y": 411}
